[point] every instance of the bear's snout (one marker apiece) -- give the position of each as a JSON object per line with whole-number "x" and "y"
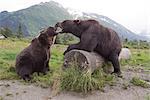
{"x": 58, "y": 28}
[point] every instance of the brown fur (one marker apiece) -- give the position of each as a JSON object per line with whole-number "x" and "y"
{"x": 94, "y": 37}
{"x": 35, "y": 57}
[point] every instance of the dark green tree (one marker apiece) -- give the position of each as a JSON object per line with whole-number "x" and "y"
{"x": 6, "y": 32}
{"x": 19, "y": 32}
{"x": 126, "y": 40}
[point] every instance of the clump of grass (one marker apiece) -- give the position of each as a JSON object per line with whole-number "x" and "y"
{"x": 125, "y": 85}
{"x": 9, "y": 94}
{"x": 139, "y": 82}
{"x": 1, "y": 98}
{"x": 8, "y": 74}
{"x": 41, "y": 80}
{"x": 74, "y": 79}
{"x": 147, "y": 97}
{"x": 17, "y": 93}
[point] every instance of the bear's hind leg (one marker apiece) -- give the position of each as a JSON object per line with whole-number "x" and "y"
{"x": 115, "y": 62}
{"x": 25, "y": 72}
{"x": 26, "y": 77}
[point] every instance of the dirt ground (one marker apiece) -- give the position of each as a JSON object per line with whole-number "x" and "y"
{"x": 15, "y": 90}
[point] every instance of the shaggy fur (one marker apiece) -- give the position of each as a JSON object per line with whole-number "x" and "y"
{"x": 35, "y": 57}
{"x": 94, "y": 37}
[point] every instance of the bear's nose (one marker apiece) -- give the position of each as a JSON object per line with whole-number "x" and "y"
{"x": 58, "y": 25}
{"x": 58, "y": 28}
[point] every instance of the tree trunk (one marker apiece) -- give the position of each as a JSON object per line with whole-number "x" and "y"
{"x": 87, "y": 61}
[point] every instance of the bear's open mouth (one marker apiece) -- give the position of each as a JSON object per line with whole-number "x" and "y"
{"x": 59, "y": 30}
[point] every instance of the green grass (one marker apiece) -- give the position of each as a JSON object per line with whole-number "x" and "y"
{"x": 147, "y": 97}
{"x": 140, "y": 57}
{"x": 139, "y": 82}
{"x": 71, "y": 79}
{"x": 11, "y": 47}
{"x": 78, "y": 81}
{"x": 1, "y": 98}
{"x": 74, "y": 79}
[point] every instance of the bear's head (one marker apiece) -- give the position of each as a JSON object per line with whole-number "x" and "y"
{"x": 46, "y": 36}
{"x": 69, "y": 26}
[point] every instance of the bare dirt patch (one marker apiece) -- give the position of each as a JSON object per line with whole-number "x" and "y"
{"x": 123, "y": 89}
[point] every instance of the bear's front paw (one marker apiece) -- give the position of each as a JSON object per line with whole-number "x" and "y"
{"x": 26, "y": 77}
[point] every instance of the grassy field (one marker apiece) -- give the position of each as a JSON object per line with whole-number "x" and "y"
{"x": 140, "y": 58}
{"x": 9, "y": 48}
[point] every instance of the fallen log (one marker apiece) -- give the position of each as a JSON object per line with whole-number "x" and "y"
{"x": 87, "y": 61}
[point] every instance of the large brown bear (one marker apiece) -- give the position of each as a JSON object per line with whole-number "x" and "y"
{"x": 35, "y": 57}
{"x": 94, "y": 37}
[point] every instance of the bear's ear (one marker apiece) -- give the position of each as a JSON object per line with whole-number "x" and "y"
{"x": 77, "y": 21}
{"x": 51, "y": 31}
{"x": 42, "y": 38}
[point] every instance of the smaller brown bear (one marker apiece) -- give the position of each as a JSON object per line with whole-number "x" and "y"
{"x": 35, "y": 57}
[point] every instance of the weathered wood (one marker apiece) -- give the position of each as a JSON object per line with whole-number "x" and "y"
{"x": 83, "y": 59}
{"x": 91, "y": 60}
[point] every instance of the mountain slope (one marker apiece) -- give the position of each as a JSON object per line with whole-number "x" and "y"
{"x": 34, "y": 18}
{"x": 121, "y": 30}
{"x": 46, "y": 14}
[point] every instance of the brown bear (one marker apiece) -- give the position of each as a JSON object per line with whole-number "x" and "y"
{"x": 35, "y": 57}
{"x": 93, "y": 37}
